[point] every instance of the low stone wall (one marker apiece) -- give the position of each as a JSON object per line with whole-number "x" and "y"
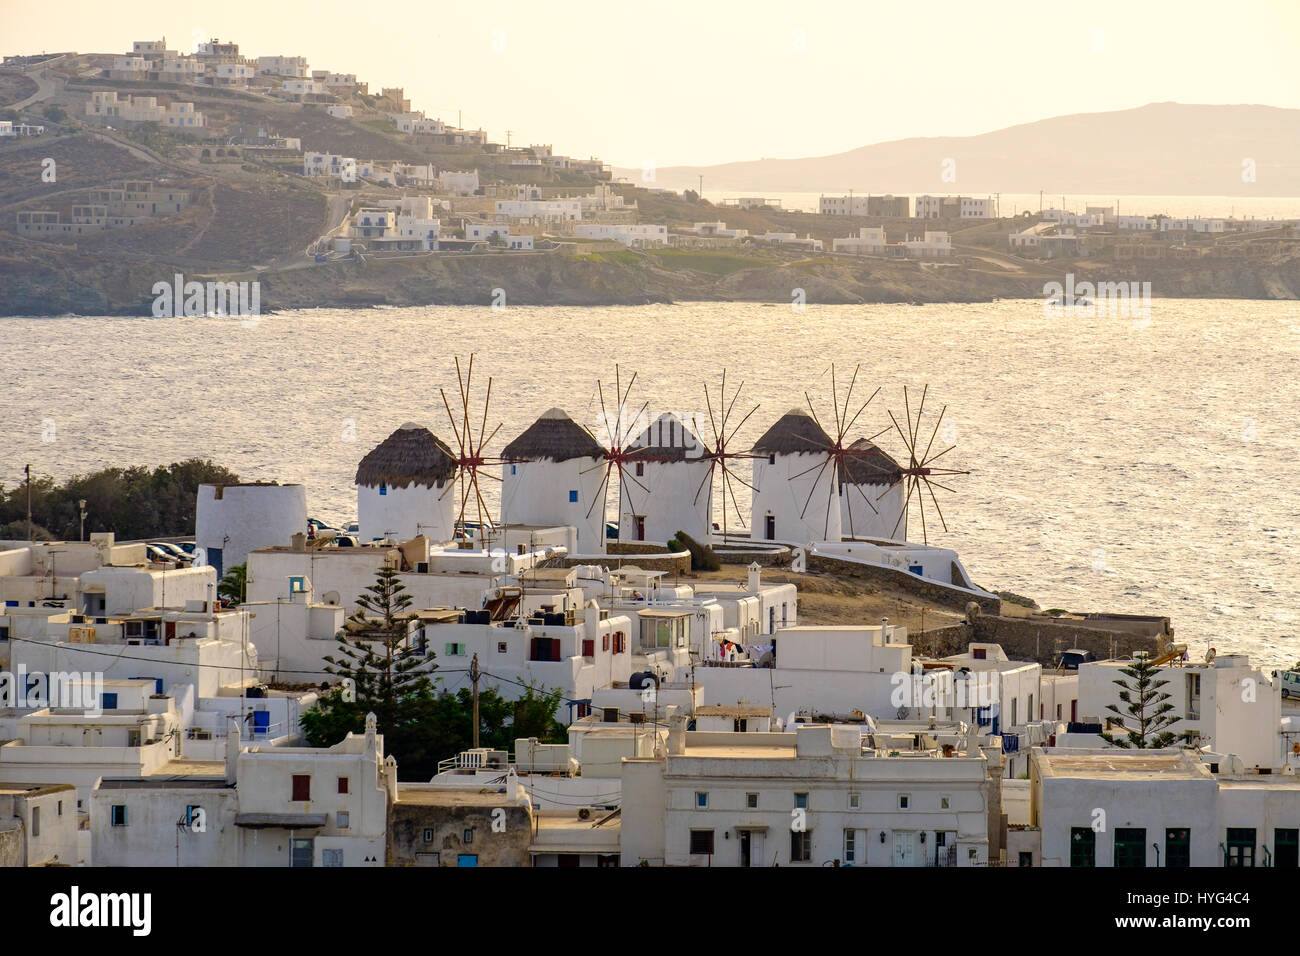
{"x": 648, "y": 560}
{"x": 927, "y": 590}
{"x": 11, "y": 847}
{"x": 1038, "y": 640}
{"x": 775, "y": 557}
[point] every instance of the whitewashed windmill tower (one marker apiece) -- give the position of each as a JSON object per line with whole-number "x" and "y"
{"x": 401, "y": 487}
{"x": 555, "y": 476}
{"x": 663, "y": 470}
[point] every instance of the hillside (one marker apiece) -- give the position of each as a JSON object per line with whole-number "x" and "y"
{"x": 1158, "y": 149}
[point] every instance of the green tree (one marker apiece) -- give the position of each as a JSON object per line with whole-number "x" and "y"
{"x": 234, "y": 584}
{"x": 382, "y": 673}
{"x": 1146, "y": 717}
{"x": 55, "y": 114}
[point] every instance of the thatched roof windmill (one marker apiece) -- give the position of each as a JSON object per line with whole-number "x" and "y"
{"x": 398, "y": 486}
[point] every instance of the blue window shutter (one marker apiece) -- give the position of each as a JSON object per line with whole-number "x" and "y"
{"x": 573, "y": 497}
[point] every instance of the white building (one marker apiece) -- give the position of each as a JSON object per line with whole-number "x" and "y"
{"x": 955, "y": 207}
{"x": 339, "y": 110}
{"x": 301, "y": 88}
{"x": 933, "y": 244}
{"x": 329, "y": 164}
{"x": 281, "y": 806}
{"x": 458, "y": 182}
{"x": 231, "y": 74}
{"x": 556, "y": 477}
{"x": 822, "y": 795}
{"x": 232, "y": 520}
{"x": 666, "y": 489}
{"x": 796, "y": 488}
{"x": 792, "y": 240}
{"x": 404, "y": 488}
{"x": 282, "y": 66}
{"x": 108, "y": 106}
{"x": 547, "y": 210}
{"x": 497, "y": 233}
{"x": 870, "y": 241}
{"x": 634, "y": 236}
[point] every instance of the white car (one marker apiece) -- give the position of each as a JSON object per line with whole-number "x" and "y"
{"x": 1291, "y": 683}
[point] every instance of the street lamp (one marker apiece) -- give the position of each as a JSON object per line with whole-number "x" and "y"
{"x": 82, "y": 505}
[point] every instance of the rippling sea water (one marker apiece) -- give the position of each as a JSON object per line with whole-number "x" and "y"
{"x": 1115, "y": 465}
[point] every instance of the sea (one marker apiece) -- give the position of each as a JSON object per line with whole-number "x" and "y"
{"x": 1142, "y": 465}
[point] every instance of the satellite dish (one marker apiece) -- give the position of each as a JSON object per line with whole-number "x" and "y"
{"x": 331, "y": 597}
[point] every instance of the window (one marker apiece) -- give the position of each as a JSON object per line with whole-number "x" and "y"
{"x": 855, "y": 801}
{"x": 117, "y": 815}
{"x": 751, "y": 801}
{"x": 701, "y": 842}
{"x": 454, "y": 650}
{"x": 36, "y": 821}
{"x": 331, "y": 857}
{"x": 604, "y": 642}
{"x": 945, "y": 803}
{"x": 503, "y": 647}
{"x": 342, "y": 819}
{"x": 850, "y": 845}
{"x": 383, "y": 488}
{"x": 1083, "y": 846}
{"x": 801, "y": 801}
{"x": 1241, "y": 846}
{"x": 904, "y": 801}
{"x": 1130, "y": 847}
{"x": 588, "y": 647}
{"x": 573, "y": 497}
{"x": 640, "y": 469}
{"x": 1026, "y": 858}
{"x": 702, "y": 800}
{"x": 108, "y": 702}
{"x": 60, "y": 808}
{"x": 1286, "y": 848}
{"x": 428, "y": 834}
{"x": 1193, "y": 696}
{"x": 467, "y": 836}
{"x": 800, "y": 846}
{"x": 301, "y": 853}
{"x": 343, "y": 784}
{"x": 301, "y": 787}
{"x": 1178, "y": 848}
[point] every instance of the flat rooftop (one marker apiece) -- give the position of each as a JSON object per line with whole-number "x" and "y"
{"x": 1151, "y": 764}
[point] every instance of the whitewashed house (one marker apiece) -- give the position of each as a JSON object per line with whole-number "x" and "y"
{"x": 870, "y": 241}
{"x": 555, "y": 475}
{"x": 295, "y": 66}
{"x": 634, "y": 236}
{"x": 668, "y": 488}
{"x": 339, "y": 110}
{"x": 796, "y": 487}
{"x": 821, "y": 796}
{"x": 404, "y": 488}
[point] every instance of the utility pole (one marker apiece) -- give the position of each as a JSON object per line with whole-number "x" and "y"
{"x": 474, "y": 674}
{"x": 701, "y": 185}
{"x": 28, "y": 469}
{"x": 82, "y": 505}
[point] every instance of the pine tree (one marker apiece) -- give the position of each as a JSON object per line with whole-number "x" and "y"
{"x": 1145, "y": 719}
{"x": 382, "y": 672}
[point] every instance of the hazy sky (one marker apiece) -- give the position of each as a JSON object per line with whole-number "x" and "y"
{"x": 681, "y": 82}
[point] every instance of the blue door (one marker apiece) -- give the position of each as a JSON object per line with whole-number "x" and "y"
{"x": 214, "y": 559}
{"x": 261, "y": 722}
{"x": 467, "y": 859}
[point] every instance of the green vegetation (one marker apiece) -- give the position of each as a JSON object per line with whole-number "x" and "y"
{"x": 55, "y": 114}
{"x": 131, "y": 502}
{"x": 714, "y": 263}
{"x": 1145, "y": 718}
{"x": 234, "y": 584}
{"x": 384, "y": 674}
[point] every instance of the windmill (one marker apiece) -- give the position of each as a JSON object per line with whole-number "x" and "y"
{"x": 843, "y": 458}
{"x": 918, "y": 476}
{"x": 618, "y": 433}
{"x": 469, "y": 457}
{"x": 724, "y": 427}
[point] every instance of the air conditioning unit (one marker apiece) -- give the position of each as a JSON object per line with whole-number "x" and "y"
{"x": 584, "y": 813}
{"x": 609, "y": 715}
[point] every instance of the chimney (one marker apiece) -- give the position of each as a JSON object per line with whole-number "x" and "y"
{"x": 755, "y": 577}
{"x": 298, "y": 542}
{"x": 677, "y": 734}
{"x": 232, "y": 750}
{"x": 884, "y": 632}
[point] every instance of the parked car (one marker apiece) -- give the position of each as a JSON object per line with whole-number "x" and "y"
{"x": 345, "y": 541}
{"x": 1291, "y": 684}
{"x": 175, "y": 550}
{"x": 158, "y": 554}
{"x": 189, "y": 547}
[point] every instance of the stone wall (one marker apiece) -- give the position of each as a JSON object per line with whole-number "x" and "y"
{"x": 410, "y": 823}
{"x": 775, "y": 557}
{"x": 649, "y": 559}
{"x": 1035, "y": 639}
{"x": 932, "y": 592}
{"x": 11, "y": 846}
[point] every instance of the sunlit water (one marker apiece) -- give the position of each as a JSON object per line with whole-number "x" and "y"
{"x": 1114, "y": 465}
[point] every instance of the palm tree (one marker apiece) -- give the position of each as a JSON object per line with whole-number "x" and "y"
{"x": 234, "y": 584}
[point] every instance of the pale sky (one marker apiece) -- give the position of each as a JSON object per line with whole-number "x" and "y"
{"x": 689, "y": 82}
